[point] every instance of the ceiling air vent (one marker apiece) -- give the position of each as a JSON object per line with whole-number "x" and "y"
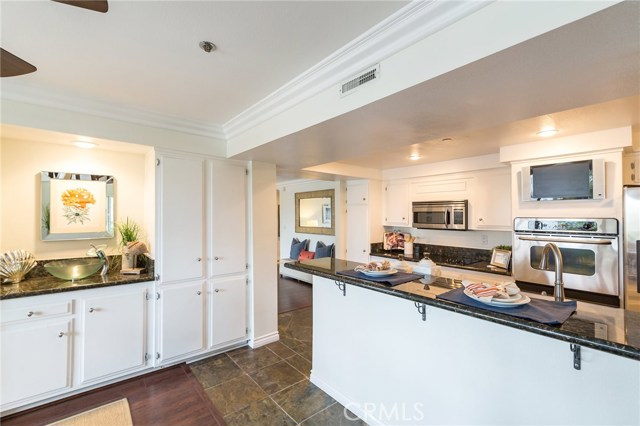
{"x": 363, "y": 78}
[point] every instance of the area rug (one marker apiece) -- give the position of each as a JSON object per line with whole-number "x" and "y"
{"x": 113, "y": 414}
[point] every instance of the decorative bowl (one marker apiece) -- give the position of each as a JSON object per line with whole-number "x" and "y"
{"x": 14, "y": 265}
{"x": 74, "y": 269}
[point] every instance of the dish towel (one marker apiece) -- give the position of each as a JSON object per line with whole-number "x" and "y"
{"x": 395, "y": 279}
{"x": 542, "y": 311}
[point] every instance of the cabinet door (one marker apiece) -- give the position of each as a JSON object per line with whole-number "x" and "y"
{"x": 35, "y": 360}
{"x": 358, "y": 246}
{"x": 114, "y": 330}
{"x": 228, "y": 218}
{"x": 181, "y": 317}
{"x": 358, "y": 193}
{"x": 228, "y": 310}
{"x": 491, "y": 205}
{"x": 181, "y": 218}
{"x": 396, "y": 204}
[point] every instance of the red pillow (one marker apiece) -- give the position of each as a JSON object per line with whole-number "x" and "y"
{"x": 306, "y": 255}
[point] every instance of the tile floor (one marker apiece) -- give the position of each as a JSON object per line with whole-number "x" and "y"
{"x": 270, "y": 385}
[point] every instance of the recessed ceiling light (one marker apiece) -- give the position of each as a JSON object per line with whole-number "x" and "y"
{"x": 414, "y": 157}
{"x": 545, "y": 133}
{"x": 207, "y": 46}
{"x": 84, "y": 144}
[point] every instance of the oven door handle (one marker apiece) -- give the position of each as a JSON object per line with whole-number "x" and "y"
{"x": 602, "y": 242}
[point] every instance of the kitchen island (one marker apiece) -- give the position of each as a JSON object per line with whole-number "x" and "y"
{"x": 399, "y": 355}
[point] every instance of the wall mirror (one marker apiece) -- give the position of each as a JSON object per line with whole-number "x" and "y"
{"x": 76, "y": 206}
{"x": 315, "y": 212}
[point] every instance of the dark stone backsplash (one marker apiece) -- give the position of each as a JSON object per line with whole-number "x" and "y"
{"x": 440, "y": 254}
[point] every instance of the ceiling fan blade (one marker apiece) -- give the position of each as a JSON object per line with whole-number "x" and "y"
{"x": 95, "y": 5}
{"x": 11, "y": 65}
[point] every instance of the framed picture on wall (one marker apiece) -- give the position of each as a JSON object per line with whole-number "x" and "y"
{"x": 76, "y": 206}
{"x": 326, "y": 213}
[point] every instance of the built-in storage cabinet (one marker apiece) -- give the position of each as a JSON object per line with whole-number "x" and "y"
{"x": 363, "y": 219}
{"x": 181, "y": 320}
{"x": 490, "y": 201}
{"x": 114, "y": 328}
{"x": 228, "y": 310}
{"x": 441, "y": 188}
{"x": 180, "y": 214}
{"x": 396, "y": 204}
{"x": 36, "y": 359}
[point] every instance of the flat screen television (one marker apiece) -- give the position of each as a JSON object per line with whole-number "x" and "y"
{"x": 571, "y": 180}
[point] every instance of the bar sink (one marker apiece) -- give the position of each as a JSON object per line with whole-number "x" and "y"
{"x": 74, "y": 269}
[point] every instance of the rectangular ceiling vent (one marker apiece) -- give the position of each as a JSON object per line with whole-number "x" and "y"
{"x": 365, "y": 77}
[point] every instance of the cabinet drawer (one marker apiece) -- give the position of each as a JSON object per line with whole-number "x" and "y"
{"x": 36, "y": 311}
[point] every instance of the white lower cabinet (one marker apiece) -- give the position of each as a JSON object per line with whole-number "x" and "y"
{"x": 228, "y": 308}
{"x": 181, "y": 321}
{"x": 35, "y": 360}
{"x": 114, "y": 330}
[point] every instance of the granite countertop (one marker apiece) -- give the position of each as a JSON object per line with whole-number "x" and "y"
{"x": 50, "y": 284}
{"x": 479, "y": 266}
{"x": 576, "y": 329}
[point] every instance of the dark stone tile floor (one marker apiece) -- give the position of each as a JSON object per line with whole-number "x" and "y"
{"x": 270, "y": 385}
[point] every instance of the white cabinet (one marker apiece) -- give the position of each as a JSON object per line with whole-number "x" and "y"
{"x": 180, "y": 213}
{"x": 396, "y": 204}
{"x": 114, "y": 333}
{"x": 227, "y": 298}
{"x": 631, "y": 169}
{"x": 363, "y": 219}
{"x": 490, "y": 203}
{"x": 441, "y": 188}
{"x": 227, "y": 213}
{"x": 35, "y": 360}
{"x": 181, "y": 320}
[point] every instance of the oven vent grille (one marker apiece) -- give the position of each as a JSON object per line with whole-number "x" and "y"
{"x": 364, "y": 78}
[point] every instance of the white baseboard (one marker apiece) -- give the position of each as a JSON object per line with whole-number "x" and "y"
{"x": 347, "y": 402}
{"x": 264, "y": 340}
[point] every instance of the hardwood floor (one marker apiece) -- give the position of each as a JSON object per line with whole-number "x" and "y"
{"x": 293, "y": 294}
{"x": 171, "y": 396}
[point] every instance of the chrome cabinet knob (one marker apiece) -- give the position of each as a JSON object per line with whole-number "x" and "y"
{"x": 216, "y": 258}
{"x": 198, "y": 292}
{"x": 61, "y": 334}
{"x": 30, "y": 314}
{"x": 217, "y": 290}
{"x": 91, "y": 309}
{"x": 199, "y": 259}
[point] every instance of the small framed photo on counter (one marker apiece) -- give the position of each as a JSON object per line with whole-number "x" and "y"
{"x": 500, "y": 258}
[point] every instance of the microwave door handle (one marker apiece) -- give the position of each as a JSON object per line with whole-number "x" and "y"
{"x": 602, "y": 242}
{"x": 448, "y": 217}
{"x": 638, "y": 265}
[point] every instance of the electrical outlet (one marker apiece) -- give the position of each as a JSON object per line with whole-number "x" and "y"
{"x": 485, "y": 239}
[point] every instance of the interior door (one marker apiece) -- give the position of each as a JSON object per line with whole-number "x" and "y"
{"x": 358, "y": 246}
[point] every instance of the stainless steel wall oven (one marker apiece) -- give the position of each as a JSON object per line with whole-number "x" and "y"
{"x": 590, "y": 252}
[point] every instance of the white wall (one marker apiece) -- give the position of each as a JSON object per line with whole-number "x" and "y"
{"x": 262, "y": 224}
{"x": 287, "y": 215}
{"x": 21, "y": 164}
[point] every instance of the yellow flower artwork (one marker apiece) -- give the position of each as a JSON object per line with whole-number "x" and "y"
{"x": 77, "y": 205}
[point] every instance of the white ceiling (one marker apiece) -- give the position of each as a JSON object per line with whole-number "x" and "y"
{"x": 145, "y": 54}
{"x": 582, "y": 77}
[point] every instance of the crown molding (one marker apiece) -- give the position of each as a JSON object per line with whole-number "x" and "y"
{"x": 412, "y": 23}
{"x": 20, "y": 92}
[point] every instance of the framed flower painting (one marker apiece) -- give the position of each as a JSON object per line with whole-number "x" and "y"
{"x": 76, "y": 206}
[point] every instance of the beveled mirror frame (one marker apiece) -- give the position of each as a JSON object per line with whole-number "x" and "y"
{"x": 327, "y": 193}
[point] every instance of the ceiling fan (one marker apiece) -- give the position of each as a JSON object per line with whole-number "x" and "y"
{"x": 11, "y": 65}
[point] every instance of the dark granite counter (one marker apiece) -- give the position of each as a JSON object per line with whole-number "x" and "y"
{"x": 576, "y": 329}
{"x": 480, "y": 266}
{"x": 48, "y": 285}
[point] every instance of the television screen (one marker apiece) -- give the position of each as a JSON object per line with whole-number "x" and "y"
{"x": 562, "y": 181}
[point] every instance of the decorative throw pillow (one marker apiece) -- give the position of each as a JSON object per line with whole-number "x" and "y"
{"x": 306, "y": 255}
{"x": 296, "y": 247}
{"x": 324, "y": 251}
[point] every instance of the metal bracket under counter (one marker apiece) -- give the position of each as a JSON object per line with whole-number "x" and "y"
{"x": 577, "y": 362}
{"x": 342, "y": 286}
{"x": 422, "y": 310}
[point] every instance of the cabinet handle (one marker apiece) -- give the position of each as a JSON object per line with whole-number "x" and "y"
{"x": 481, "y": 220}
{"x": 61, "y": 334}
{"x": 91, "y": 309}
{"x": 216, "y": 258}
{"x": 198, "y": 292}
{"x": 30, "y": 314}
{"x": 199, "y": 259}
{"x": 217, "y": 290}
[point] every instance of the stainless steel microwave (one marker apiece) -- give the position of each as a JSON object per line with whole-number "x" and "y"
{"x": 450, "y": 215}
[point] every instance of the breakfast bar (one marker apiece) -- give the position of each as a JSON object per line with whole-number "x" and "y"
{"x": 401, "y": 355}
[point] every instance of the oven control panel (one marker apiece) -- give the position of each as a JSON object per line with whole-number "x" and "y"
{"x": 606, "y": 226}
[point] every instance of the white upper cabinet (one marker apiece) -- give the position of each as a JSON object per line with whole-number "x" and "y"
{"x": 227, "y": 215}
{"x": 180, "y": 213}
{"x": 396, "y": 204}
{"x": 490, "y": 202}
{"x": 631, "y": 169}
{"x": 358, "y": 193}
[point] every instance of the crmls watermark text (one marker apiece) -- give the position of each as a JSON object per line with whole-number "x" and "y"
{"x": 392, "y": 413}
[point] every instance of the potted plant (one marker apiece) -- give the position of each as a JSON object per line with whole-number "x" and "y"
{"x": 129, "y": 233}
